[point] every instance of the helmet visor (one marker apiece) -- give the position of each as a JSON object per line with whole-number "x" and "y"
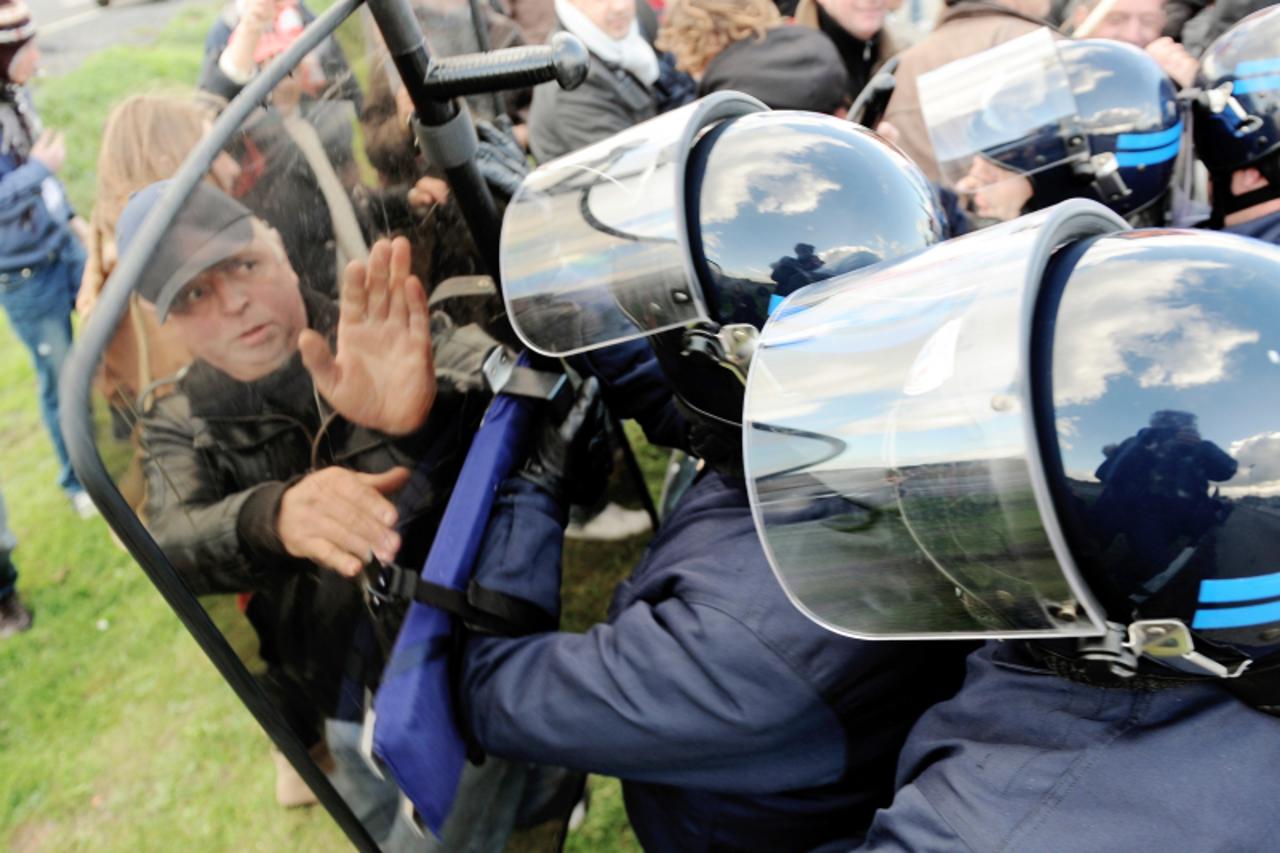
{"x": 1000, "y": 116}
{"x": 890, "y": 451}
{"x": 594, "y": 245}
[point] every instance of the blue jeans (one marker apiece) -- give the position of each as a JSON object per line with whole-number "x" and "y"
{"x": 8, "y": 573}
{"x": 39, "y": 300}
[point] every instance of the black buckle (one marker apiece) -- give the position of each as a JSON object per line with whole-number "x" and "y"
{"x": 387, "y": 583}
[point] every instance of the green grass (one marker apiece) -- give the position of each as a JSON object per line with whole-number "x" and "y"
{"x": 115, "y": 731}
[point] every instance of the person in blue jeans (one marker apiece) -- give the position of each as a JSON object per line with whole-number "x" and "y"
{"x": 41, "y": 260}
{"x": 14, "y": 618}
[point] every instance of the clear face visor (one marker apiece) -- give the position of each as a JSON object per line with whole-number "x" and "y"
{"x": 595, "y": 248}
{"x": 997, "y": 118}
{"x": 890, "y": 451}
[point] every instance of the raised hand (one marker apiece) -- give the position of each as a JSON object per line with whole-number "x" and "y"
{"x": 383, "y": 375}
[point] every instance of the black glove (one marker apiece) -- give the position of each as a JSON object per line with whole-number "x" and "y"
{"x": 499, "y": 157}
{"x": 572, "y": 456}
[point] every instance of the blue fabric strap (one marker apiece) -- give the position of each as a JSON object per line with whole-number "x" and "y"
{"x": 416, "y": 732}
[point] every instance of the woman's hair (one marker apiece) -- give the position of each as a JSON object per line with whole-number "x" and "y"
{"x": 145, "y": 140}
{"x": 694, "y": 31}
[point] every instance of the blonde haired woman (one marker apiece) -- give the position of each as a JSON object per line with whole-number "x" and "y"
{"x": 748, "y": 46}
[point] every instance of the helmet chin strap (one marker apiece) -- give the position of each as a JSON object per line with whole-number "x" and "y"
{"x": 1225, "y": 203}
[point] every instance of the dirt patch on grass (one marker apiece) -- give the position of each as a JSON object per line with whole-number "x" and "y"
{"x": 32, "y": 836}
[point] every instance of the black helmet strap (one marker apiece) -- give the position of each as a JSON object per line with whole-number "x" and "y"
{"x": 1225, "y": 203}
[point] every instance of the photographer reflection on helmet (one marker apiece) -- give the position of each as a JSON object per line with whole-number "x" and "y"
{"x": 1155, "y": 490}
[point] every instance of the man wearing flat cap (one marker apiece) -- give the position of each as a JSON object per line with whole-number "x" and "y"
{"x": 276, "y": 460}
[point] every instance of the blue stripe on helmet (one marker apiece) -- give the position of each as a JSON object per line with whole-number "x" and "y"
{"x": 1232, "y": 590}
{"x": 1257, "y": 66}
{"x": 1129, "y": 159}
{"x": 774, "y": 301}
{"x": 1256, "y": 84}
{"x": 1237, "y": 617}
{"x": 1141, "y": 141}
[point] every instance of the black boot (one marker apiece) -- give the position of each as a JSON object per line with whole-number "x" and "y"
{"x": 14, "y": 618}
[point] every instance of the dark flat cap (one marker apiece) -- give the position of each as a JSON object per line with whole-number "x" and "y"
{"x": 210, "y": 227}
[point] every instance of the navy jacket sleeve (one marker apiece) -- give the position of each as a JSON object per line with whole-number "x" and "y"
{"x": 634, "y": 387}
{"x": 672, "y": 692}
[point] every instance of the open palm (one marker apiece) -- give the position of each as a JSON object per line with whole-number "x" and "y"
{"x": 382, "y": 376}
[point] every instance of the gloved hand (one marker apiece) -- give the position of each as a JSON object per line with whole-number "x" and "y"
{"x": 572, "y": 456}
{"x": 499, "y": 157}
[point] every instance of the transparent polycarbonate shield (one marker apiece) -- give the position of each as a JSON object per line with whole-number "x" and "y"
{"x": 594, "y": 245}
{"x": 1001, "y": 114}
{"x": 890, "y": 451}
{"x": 216, "y": 426}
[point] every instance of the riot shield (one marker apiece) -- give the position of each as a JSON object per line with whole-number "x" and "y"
{"x": 311, "y": 165}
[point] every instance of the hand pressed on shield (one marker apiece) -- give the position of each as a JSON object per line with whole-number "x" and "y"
{"x": 383, "y": 375}
{"x": 338, "y": 518}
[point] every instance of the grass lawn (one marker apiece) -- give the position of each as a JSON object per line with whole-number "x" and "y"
{"x": 115, "y": 731}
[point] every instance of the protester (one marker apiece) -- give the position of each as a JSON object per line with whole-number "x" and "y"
{"x": 41, "y": 258}
{"x": 860, "y": 31}
{"x": 733, "y": 724}
{"x": 747, "y": 47}
{"x": 618, "y": 91}
{"x": 964, "y": 28}
{"x": 1236, "y": 119}
{"x": 275, "y": 461}
{"x": 1139, "y": 23}
{"x": 14, "y": 617}
{"x": 249, "y": 33}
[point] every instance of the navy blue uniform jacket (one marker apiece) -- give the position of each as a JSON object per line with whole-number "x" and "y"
{"x": 1024, "y": 760}
{"x": 733, "y": 721}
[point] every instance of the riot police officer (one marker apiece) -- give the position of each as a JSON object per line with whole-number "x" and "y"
{"x": 1035, "y": 121}
{"x": 733, "y": 722}
{"x": 1236, "y": 121}
{"x": 1054, "y": 433}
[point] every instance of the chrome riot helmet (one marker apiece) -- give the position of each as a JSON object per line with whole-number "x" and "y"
{"x": 1236, "y": 109}
{"x": 1036, "y": 121}
{"x": 692, "y": 227}
{"x": 1050, "y": 428}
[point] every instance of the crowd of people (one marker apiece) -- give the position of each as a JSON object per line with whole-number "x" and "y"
{"x": 300, "y": 374}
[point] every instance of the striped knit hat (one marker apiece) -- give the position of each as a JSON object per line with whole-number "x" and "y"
{"x": 16, "y": 30}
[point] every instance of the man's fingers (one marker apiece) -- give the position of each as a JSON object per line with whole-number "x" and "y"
{"x": 401, "y": 256}
{"x": 367, "y": 518}
{"x": 397, "y": 310}
{"x": 376, "y": 281}
{"x": 328, "y": 554}
{"x": 355, "y": 296}
{"x": 388, "y": 481}
{"x": 355, "y": 533}
{"x": 318, "y": 360}
{"x": 419, "y": 313}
